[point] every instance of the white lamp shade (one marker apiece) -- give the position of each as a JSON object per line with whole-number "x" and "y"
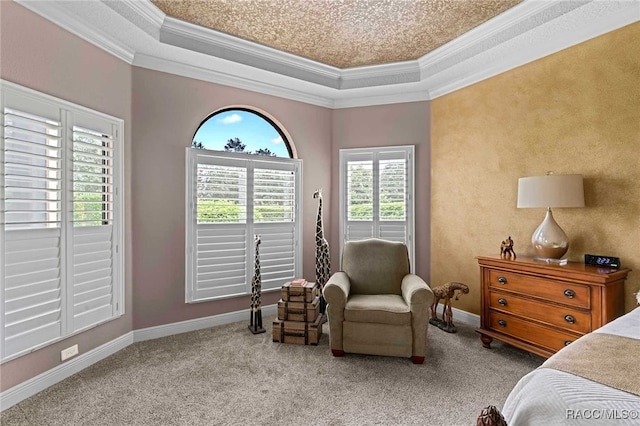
{"x": 551, "y": 191}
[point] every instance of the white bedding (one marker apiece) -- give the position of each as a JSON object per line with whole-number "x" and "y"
{"x": 550, "y": 397}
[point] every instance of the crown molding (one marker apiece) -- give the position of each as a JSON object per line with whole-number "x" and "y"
{"x": 289, "y": 91}
{"x": 380, "y": 75}
{"x": 204, "y": 40}
{"x": 364, "y": 100}
{"x": 146, "y": 10}
{"x": 228, "y": 79}
{"x": 467, "y": 44}
{"x": 549, "y": 27}
{"x": 196, "y": 38}
{"x": 529, "y": 31}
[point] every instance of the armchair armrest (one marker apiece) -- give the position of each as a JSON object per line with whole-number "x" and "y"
{"x": 336, "y": 290}
{"x": 416, "y": 292}
{"x": 419, "y": 297}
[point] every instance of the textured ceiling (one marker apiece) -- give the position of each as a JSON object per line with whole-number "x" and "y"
{"x": 342, "y": 33}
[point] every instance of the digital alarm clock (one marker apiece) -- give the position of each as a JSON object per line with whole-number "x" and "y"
{"x": 594, "y": 259}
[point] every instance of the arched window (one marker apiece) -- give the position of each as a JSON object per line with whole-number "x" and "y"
{"x": 242, "y": 130}
{"x": 242, "y": 180}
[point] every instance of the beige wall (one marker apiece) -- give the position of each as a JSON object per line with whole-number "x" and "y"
{"x": 388, "y": 125}
{"x": 40, "y": 55}
{"x": 167, "y": 111}
{"x": 577, "y": 111}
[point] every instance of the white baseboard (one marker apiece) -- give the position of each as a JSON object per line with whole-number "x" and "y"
{"x": 465, "y": 317}
{"x": 197, "y": 324}
{"x": 24, "y": 390}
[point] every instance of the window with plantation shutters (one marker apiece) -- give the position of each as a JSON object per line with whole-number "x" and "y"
{"x": 376, "y": 194}
{"x": 60, "y": 272}
{"x": 33, "y": 240}
{"x": 230, "y": 198}
{"x": 92, "y": 217}
{"x": 275, "y": 187}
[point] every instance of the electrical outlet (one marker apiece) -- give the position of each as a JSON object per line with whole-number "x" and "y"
{"x": 69, "y": 352}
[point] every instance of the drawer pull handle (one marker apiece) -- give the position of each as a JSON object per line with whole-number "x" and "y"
{"x": 570, "y": 319}
{"x": 502, "y": 301}
{"x": 502, "y": 323}
{"x": 502, "y": 280}
{"x": 567, "y": 342}
{"x": 570, "y": 293}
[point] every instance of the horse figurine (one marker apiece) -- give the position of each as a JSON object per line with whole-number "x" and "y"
{"x": 506, "y": 248}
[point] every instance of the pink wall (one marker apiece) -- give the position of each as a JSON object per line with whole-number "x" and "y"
{"x": 167, "y": 110}
{"x": 42, "y": 56}
{"x": 161, "y": 113}
{"x": 387, "y": 125}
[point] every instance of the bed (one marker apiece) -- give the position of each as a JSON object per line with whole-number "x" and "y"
{"x": 558, "y": 392}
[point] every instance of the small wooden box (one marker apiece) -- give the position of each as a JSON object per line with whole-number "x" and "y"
{"x": 302, "y": 293}
{"x": 299, "y": 311}
{"x": 297, "y": 332}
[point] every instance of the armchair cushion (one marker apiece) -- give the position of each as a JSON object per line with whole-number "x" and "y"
{"x": 377, "y": 308}
{"x": 375, "y": 266}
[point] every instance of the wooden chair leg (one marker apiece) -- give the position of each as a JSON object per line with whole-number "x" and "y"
{"x": 417, "y": 359}
{"x": 337, "y": 352}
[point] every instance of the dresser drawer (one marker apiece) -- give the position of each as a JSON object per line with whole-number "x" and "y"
{"x": 530, "y": 332}
{"x": 555, "y": 291}
{"x": 525, "y": 302}
{"x": 560, "y": 316}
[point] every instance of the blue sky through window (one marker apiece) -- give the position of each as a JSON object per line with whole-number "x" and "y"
{"x": 254, "y": 131}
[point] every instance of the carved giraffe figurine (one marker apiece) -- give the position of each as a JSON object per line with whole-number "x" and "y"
{"x": 255, "y": 322}
{"x": 446, "y": 292}
{"x": 323, "y": 261}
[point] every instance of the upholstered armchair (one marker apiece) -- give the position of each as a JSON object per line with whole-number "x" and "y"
{"x": 374, "y": 305}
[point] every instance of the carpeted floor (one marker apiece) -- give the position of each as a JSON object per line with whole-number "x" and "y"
{"x": 227, "y": 376}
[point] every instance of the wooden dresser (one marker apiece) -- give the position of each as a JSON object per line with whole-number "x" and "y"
{"x": 542, "y": 307}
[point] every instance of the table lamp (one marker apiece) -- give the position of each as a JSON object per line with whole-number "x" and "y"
{"x": 549, "y": 241}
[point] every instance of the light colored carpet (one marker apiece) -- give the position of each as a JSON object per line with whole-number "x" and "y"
{"x": 227, "y": 376}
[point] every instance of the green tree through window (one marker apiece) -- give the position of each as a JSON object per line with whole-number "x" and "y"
{"x": 221, "y": 194}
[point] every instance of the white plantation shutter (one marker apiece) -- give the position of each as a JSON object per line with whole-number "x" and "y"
{"x": 92, "y": 230}
{"x": 230, "y": 198}
{"x": 278, "y": 254}
{"x": 221, "y": 192}
{"x": 220, "y": 252}
{"x": 60, "y": 221}
{"x": 393, "y": 196}
{"x": 274, "y": 194}
{"x": 220, "y": 260}
{"x": 93, "y": 276}
{"x": 32, "y": 310}
{"x": 360, "y": 200}
{"x": 92, "y": 177}
{"x": 376, "y": 194}
{"x": 32, "y": 270}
